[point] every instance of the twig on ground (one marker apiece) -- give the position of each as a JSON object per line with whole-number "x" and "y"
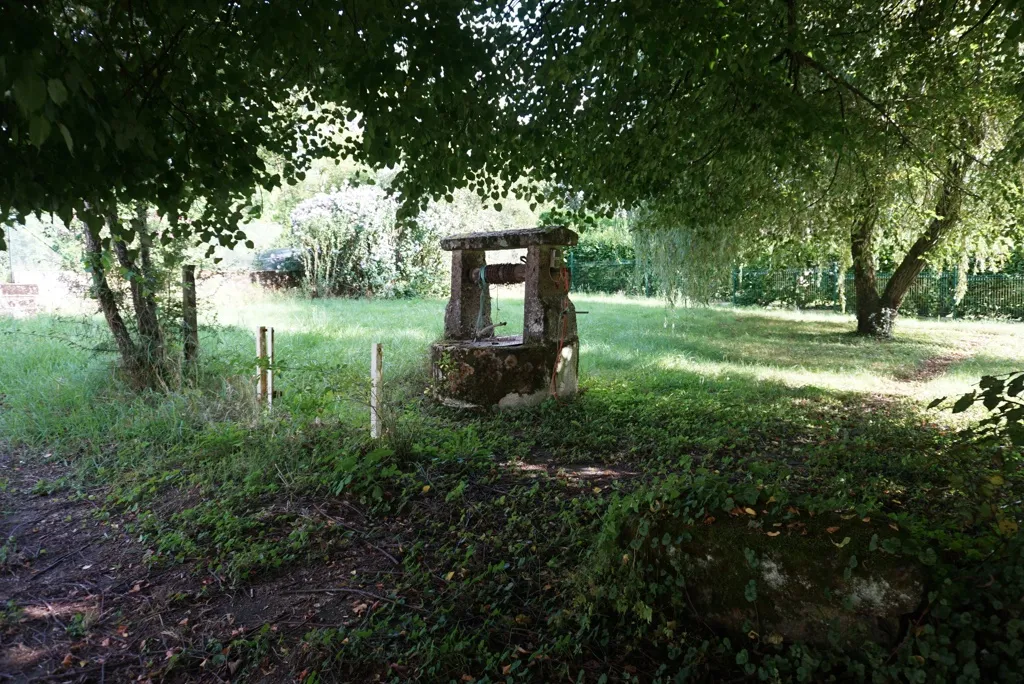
{"x": 351, "y": 590}
{"x": 60, "y": 559}
{"x": 360, "y": 532}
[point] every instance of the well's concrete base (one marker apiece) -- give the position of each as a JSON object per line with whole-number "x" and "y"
{"x": 503, "y": 372}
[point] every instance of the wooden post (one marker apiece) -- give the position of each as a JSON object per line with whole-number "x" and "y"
{"x": 270, "y": 369}
{"x": 265, "y": 365}
{"x": 189, "y": 314}
{"x": 376, "y": 376}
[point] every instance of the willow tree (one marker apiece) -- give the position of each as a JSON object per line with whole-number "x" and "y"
{"x": 874, "y": 125}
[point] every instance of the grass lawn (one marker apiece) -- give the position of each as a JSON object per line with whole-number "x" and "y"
{"x": 486, "y": 547}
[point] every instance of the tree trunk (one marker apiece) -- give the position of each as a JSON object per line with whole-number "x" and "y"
{"x": 876, "y": 313}
{"x": 143, "y": 289}
{"x": 190, "y": 327}
{"x": 108, "y": 303}
{"x": 947, "y": 215}
{"x": 865, "y": 281}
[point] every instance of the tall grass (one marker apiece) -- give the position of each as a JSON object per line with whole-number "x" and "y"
{"x": 60, "y": 396}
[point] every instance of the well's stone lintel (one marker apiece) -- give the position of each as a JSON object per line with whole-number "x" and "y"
{"x": 511, "y": 239}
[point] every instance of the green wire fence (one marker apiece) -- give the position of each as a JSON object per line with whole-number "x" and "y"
{"x": 984, "y": 295}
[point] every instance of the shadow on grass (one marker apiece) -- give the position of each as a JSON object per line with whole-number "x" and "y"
{"x": 624, "y": 331}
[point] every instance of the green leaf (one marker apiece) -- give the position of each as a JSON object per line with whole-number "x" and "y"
{"x": 750, "y": 591}
{"x": 1016, "y": 386}
{"x": 39, "y": 130}
{"x": 67, "y": 137}
{"x": 30, "y": 93}
{"x": 58, "y": 93}
{"x": 964, "y": 403}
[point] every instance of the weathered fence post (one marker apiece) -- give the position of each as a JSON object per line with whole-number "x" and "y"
{"x": 265, "y": 365}
{"x": 189, "y": 315}
{"x": 376, "y": 375}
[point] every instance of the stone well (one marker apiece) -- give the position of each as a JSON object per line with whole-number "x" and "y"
{"x": 472, "y": 367}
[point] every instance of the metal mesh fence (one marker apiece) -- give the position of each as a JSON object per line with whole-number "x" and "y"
{"x": 990, "y": 295}
{"x": 611, "y": 276}
{"x": 985, "y": 295}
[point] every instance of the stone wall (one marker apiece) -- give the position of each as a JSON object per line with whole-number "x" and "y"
{"x": 18, "y": 299}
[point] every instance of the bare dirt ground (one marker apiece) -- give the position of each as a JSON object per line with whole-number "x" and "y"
{"x": 79, "y": 603}
{"x": 935, "y": 366}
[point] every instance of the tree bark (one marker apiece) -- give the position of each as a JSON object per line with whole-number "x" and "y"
{"x": 947, "y": 215}
{"x": 865, "y": 280}
{"x": 876, "y": 313}
{"x": 108, "y": 303}
{"x": 143, "y": 290}
{"x": 190, "y": 327}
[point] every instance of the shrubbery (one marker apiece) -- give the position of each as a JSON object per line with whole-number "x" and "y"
{"x": 352, "y": 244}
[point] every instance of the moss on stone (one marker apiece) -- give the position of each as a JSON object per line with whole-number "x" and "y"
{"x": 812, "y": 582}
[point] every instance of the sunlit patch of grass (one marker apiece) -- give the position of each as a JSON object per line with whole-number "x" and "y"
{"x": 791, "y": 376}
{"x": 59, "y": 393}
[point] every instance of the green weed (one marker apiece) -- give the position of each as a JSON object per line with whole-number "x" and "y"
{"x": 510, "y": 524}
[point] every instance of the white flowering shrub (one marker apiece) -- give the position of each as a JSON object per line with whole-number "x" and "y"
{"x": 352, "y": 245}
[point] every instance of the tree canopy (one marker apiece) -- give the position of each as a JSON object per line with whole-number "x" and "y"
{"x": 177, "y": 103}
{"x": 727, "y": 123}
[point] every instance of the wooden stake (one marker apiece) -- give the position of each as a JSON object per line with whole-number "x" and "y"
{"x": 376, "y": 377}
{"x": 263, "y": 363}
{"x": 270, "y": 369}
{"x": 189, "y": 314}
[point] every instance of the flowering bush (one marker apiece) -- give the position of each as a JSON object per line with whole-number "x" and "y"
{"x": 353, "y": 245}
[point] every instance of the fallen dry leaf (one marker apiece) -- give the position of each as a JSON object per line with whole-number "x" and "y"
{"x": 831, "y": 530}
{"x": 774, "y": 534}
